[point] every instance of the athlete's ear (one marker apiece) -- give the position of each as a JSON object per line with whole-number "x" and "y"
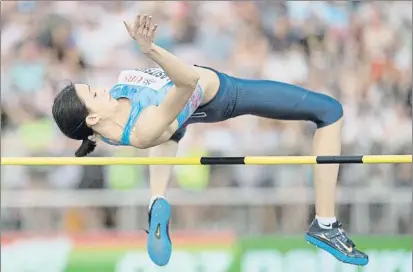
{"x": 92, "y": 119}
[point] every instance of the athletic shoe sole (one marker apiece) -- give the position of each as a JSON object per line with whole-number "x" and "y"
{"x": 336, "y": 253}
{"x": 159, "y": 244}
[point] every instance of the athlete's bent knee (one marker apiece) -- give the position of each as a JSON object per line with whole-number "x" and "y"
{"x": 330, "y": 114}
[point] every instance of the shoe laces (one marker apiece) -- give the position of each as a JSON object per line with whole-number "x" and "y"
{"x": 341, "y": 234}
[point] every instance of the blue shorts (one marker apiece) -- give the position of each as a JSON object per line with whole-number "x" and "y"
{"x": 264, "y": 98}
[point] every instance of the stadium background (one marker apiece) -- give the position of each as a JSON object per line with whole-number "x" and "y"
{"x": 240, "y": 218}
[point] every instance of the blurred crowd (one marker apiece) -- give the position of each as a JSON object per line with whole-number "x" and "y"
{"x": 358, "y": 52}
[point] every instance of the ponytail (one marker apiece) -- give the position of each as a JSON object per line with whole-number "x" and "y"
{"x": 87, "y": 146}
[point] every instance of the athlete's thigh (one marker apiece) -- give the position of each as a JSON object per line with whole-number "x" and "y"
{"x": 277, "y": 100}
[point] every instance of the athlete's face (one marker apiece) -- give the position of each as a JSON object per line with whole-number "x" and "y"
{"x": 98, "y": 102}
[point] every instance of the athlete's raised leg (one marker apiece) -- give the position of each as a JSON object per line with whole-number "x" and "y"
{"x": 288, "y": 102}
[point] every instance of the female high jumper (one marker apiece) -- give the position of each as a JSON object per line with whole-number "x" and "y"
{"x": 150, "y": 108}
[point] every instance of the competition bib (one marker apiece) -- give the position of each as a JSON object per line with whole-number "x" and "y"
{"x": 153, "y": 78}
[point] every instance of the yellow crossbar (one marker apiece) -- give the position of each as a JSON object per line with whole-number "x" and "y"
{"x": 265, "y": 160}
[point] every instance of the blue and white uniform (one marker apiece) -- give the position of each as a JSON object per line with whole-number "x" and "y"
{"x": 148, "y": 87}
{"x": 235, "y": 97}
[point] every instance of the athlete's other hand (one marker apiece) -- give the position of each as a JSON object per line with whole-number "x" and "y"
{"x": 142, "y": 31}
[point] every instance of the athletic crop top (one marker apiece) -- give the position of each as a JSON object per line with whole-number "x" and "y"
{"x": 143, "y": 88}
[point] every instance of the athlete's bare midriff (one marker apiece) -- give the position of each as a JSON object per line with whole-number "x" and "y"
{"x": 209, "y": 82}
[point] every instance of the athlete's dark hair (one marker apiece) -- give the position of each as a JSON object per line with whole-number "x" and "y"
{"x": 70, "y": 113}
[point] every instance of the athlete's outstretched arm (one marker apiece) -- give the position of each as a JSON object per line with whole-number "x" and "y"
{"x": 184, "y": 77}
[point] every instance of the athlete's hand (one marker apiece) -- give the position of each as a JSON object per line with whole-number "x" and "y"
{"x": 142, "y": 31}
